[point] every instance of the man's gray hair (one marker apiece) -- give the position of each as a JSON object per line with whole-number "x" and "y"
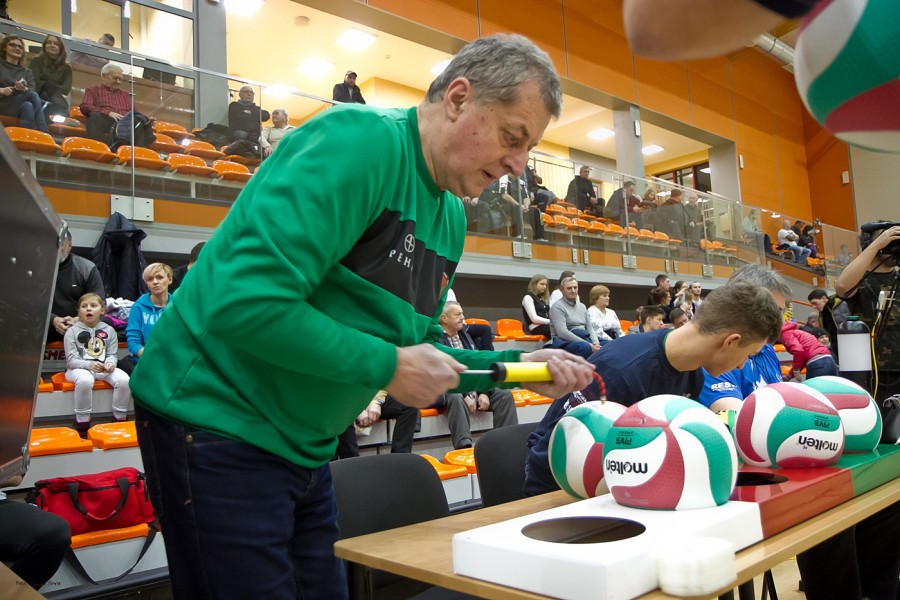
{"x": 496, "y": 66}
{"x": 110, "y": 67}
{"x": 763, "y": 277}
{"x": 280, "y": 111}
{"x": 450, "y": 304}
{"x": 566, "y": 280}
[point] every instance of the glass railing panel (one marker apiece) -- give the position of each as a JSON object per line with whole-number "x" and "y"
{"x": 838, "y": 248}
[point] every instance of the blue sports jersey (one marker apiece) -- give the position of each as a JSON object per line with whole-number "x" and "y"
{"x": 759, "y": 370}
{"x": 633, "y": 367}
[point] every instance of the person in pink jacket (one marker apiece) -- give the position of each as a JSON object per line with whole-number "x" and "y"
{"x": 807, "y": 351}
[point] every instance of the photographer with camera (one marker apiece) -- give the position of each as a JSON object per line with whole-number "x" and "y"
{"x": 861, "y": 284}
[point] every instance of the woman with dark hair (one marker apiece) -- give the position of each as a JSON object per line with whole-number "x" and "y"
{"x": 662, "y": 298}
{"x": 17, "y": 95}
{"x": 536, "y": 307}
{"x": 52, "y": 76}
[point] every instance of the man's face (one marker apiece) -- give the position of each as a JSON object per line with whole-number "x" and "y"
{"x": 349, "y": 79}
{"x": 113, "y": 79}
{"x": 680, "y": 321}
{"x": 570, "y": 291}
{"x": 819, "y": 303}
{"x": 732, "y": 355}
{"x": 584, "y": 172}
{"x": 629, "y": 190}
{"x": 246, "y": 94}
{"x": 453, "y": 319}
{"x": 696, "y": 289}
{"x": 479, "y": 142}
{"x": 785, "y": 224}
{"x": 279, "y": 119}
{"x": 665, "y": 284}
{"x": 64, "y": 250}
{"x": 105, "y": 41}
{"x": 654, "y": 323}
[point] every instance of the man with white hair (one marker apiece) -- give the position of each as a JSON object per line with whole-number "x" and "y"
{"x": 108, "y": 106}
{"x": 273, "y": 133}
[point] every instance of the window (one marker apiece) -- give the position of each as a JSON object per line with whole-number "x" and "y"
{"x": 161, "y": 35}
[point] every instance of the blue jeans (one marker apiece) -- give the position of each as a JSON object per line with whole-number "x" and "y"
{"x": 822, "y": 366}
{"x": 31, "y": 111}
{"x": 582, "y": 349}
{"x": 239, "y": 522}
{"x": 800, "y": 253}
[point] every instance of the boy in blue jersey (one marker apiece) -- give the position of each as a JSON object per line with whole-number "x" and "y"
{"x": 735, "y": 321}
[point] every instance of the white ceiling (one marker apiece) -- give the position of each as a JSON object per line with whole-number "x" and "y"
{"x": 269, "y": 46}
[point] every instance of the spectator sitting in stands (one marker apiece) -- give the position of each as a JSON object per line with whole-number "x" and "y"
{"x": 460, "y": 406}
{"x": 622, "y": 197}
{"x": 89, "y": 60}
{"x": 515, "y": 192}
{"x": 385, "y": 408}
{"x": 649, "y": 205}
{"x": 693, "y": 227}
{"x": 807, "y": 351}
{"x": 557, "y": 293}
{"x": 662, "y": 281}
{"x": 806, "y": 237}
{"x": 678, "y": 317}
{"x": 75, "y": 277}
{"x": 110, "y": 118}
{"x": 272, "y": 134}
{"x": 602, "y": 318}
{"x": 787, "y": 238}
{"x": 569, "y": 325}
{"x": 540, "y": 195}
{"x": 481, "y": 333}
{"x": 844, "y": 257}
{"x": 672, "y": 217}
{"x": 651, "y": 319}
{"x": 147, "y": 309}
{"x": 348, "y": 91}
{"x": 17, "y": 96}
{"x": 52, "y": 76}
{"x": 693, "y": 295}
{"x": 581, "y": 193}
{"x": 245, "y": 117}
{"x": 734, "y": 323}
{"x": 536, "y": 307}
{"x": 91, "y": 347}
{"x": 661, "y": 297}
{"x": 33, "y": 542}
{"x": 179, "y": 272}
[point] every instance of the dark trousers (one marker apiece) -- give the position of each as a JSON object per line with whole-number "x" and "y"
{"x": 32, "y": 542}
{"x": 132, "y": 129}
{"x": 481, "y": 335}
{"x": 820, "y": 367}
{"x": 239, "y": 522}
{"x": 863, "y": 560}
{"x": 502, "y": 406}
{"x": 406, "y": 419}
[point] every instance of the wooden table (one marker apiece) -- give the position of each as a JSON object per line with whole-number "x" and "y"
{"x": 424, "y": 551}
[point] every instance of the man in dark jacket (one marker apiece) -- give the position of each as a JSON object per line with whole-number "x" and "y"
{"x": 75, "y": 277}
{"x": 244, "y": 116}
{"x": 581, "y": 192}
{"x": 348, "y": 91}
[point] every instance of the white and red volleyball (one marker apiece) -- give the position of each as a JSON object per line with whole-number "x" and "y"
{"x": 576, "y": 448}
{"x": 858, "y": 411}
{"x": 671, "y": 453}
{"x": 788, "y": 425}
{"x": 846, "y": 64}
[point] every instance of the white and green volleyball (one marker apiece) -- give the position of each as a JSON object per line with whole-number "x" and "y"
{"x": 847, "y": 68}
{"x": 858, "y": 411}
{"x": 576, "y": 448}
{"x": 788, "y": 425}
{"x": 670, "y": 453}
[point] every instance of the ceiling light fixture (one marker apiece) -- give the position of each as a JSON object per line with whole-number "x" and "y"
{"x": 315, "y": 67}
{"x": 356, "y": 40}
{"x": 439, "y": 68}
{"x": 279, "y": 90}
{"x": 652, "y": 149}
{"x": 601, "y": 134}
{"x": 243, "y": 8}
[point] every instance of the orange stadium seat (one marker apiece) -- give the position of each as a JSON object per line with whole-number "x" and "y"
{"x": 45, "y": 441}
{"x": 67, "y": 128}
{"x": 75, "y": 113}
{"x": 87, "y": 149}
{"x": 143, "y": 158}
{"x": 61, "y": 384}
{"x": 464, "y": 457}
{"x": 428, "y": 412}
{"x": 190, "y": 165}
{"x": 203, "y": 150}
{"x": 108, "y": 436}
{"x": 44, "y": 387}
{"x": 625, "y": 325}
{"x": 556, "y": 208}
{"x": 243, "y": 160}
{"x": 445, "y": 471}
{"x": 512, "y": 329}
{"x": 32, "y": 140}
{"x": 648, "y": 235}
{"x": 615, "y": 230}
{"x": 475, "y": 321}
{"x": 598, "y": 227}
{"x": 231, "y": 170}
{"x": 9, "y": 121}
{"x": 578, "y": 224}
{"x": 165, "y": 143}
{"x": 105, "y": 536}
{"x": 173, "y": 130}
{"x": 560, "y": 221}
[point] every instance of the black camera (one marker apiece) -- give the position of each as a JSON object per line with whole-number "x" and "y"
{"x": 867, "y": 232}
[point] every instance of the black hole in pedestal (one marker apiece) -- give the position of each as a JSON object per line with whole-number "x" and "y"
{"x": 583, "y": 530}
{"x": 749, "y": 479}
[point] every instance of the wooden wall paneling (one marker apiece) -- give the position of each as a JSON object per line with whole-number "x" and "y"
{"x": 826, "y": 158}
{"x": 541, "y": 21}
{"x": 711, "y": 97}
{"x": 663, "y": 87}
{"x": 455, "y": 17}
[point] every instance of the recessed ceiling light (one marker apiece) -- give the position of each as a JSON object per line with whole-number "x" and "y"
{"x": 356, "y": 40}
{"x": 439, "y": 68}
{"x": 601, "y": 134}
{"x": 776, "y": 215}
{"x": 315, "y": 67}
{"x": 279, "y": 90}
{"x": 244, "y": 8}
{"x": 652, "y": 149}
{"x": 705, "y": 170}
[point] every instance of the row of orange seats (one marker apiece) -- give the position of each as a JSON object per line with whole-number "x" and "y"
{"x": 79, "y": 148}
{"x": 508, "y": 329}
{"x": 611, "y": 230}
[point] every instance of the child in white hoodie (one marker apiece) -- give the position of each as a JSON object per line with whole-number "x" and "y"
{"x": 91, "y": 347}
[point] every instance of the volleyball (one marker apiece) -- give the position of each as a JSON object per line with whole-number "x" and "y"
{"x": 857, "y": 409}
{"x": 576, "y": 448}
{"x": 846, "y": 66}
{"x": 669, "y": 452}
{"x": 788, "y": 425}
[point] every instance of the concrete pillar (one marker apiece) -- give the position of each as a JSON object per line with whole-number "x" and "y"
{"x": 210, "y": 92}
{"x": 629, "y": 158}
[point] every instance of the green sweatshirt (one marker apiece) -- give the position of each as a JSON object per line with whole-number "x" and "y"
{"x": 337, "y": 251}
